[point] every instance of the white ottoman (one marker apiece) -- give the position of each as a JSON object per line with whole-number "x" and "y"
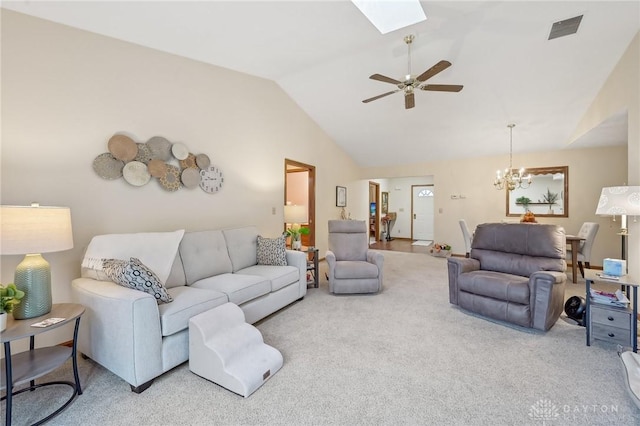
{"x": 225, "y": 349}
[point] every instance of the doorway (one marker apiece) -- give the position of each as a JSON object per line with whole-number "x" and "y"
{"x": 300, "y": 189}
{"x": 422, "y": 212}
{"x": 374, "y": 212}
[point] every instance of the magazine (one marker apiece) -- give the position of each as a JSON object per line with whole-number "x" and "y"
{"x": 48, "y": 322}
{"x": 618, "y": 298}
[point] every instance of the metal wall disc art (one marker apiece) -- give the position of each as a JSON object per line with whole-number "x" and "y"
{"x": 122, "y": 147}
{"x": 190, "y": 177}
{"x": 108, "y": 167}
{"x": 171, "y": 179}
{"x": 160, "y": 148}
{"x": 157, "y": 168}
{"x": 179, "y": 151}
{"x": 171, "y": 163}
{"x": 136, "y": 173}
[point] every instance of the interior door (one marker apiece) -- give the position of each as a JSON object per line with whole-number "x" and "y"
{"x": 300, "y": 189}
{"x": 422, "y": 206}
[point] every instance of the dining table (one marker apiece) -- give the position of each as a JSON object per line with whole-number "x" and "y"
{"x": 574, "y": 241}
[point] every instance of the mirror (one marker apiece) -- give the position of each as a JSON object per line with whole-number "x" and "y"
{"x": 385, "y": 202}
{"x": 547, "y": 196}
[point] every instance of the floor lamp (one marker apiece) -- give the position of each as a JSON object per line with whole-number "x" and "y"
{"x": 620, "y": 201}
{"x": 31, "y": 230}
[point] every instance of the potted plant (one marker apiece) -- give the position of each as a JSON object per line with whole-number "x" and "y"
{"x": 550, "y": 198}
{"x": 524, "y": 201}
{"x": 9, "y": 297}
{"x": 296, "y": 232}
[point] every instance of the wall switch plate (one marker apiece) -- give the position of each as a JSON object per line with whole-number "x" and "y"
{"x": 273, "y": 210}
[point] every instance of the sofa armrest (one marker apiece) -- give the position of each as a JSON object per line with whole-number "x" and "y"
{"x": 120, "y": 329}
{"x": 546, "y": 300}
{"x": 299, "y": 260}
{"x": 455, "y": 267}
{"x": 377, "y": 259}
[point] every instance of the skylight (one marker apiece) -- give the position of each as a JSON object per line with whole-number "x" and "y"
{"x": 389, "y": 15}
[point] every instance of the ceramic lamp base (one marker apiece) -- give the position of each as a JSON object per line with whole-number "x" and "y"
{"x": 33, "y": 276}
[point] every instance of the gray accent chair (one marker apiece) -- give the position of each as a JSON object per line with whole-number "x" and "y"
{"x": 515, "y": 273}
{"x": 588, "y": 231}
{"x": 352, "y": 267}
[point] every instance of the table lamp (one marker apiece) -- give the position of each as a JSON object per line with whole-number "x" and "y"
{"x": 31, "y": 230}
{"x": 620, "y": 201}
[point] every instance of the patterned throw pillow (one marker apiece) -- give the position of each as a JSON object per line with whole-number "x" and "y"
{"x": 134, "y": 274}
{"x": 272, "y": 251}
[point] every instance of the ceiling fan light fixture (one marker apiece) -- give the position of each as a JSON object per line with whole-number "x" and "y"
{"x": 389, "y": 16}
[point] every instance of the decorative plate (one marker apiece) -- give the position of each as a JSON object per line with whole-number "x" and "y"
{"x": 189, "y": 162}
{"x": 202, "y": 160}
{"x": 108, "y": 167}
{"x": 160, "y": 148}
{"x": 180, "y": 151}
{"x": 171, "y": 179}
{"x": 122, "y": 147}
{"x": 190, "y": 177}
{"x": 211, "y": 179}
{"x": 136, "y": 173}
{"x": 157, "y": 168}
{"x": 144, "y": 153}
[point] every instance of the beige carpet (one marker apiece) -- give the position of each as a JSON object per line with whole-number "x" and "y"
{"x": 402, "y": 357}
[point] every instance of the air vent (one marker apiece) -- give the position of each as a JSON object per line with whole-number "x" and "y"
{"x": 565, "y": 28}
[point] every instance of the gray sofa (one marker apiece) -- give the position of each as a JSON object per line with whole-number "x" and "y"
{"x": 133, "y": 336}
{"x": 514, "y": 273}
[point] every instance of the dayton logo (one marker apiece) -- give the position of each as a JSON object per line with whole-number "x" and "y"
{"x": 544, "y": 411}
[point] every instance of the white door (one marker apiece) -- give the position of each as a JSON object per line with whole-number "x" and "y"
{"x": 423, "y": 214}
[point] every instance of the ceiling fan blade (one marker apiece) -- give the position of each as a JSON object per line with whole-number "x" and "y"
{"x": 384, "y": 79}
{"x": 380, "y": 96}
{"x": 439, "y": 67}
{"x": 409, "y": 100}
{"x": 442, "y": 87}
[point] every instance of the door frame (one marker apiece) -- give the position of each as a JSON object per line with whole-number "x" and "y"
{"x": 293, "y": 166}
{"x": 376, "y": 187}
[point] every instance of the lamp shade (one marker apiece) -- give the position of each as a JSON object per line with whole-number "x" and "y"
{"x": 35, "y": 229}
{"x": 295, "y": 214}
{"x": 619, "y": 200}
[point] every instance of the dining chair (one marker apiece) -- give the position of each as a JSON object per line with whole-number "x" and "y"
{"x": 588, "y": 231}
{"x": 466, "y": 234}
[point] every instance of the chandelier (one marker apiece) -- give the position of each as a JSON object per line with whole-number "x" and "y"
{"x": 511, "y": 179}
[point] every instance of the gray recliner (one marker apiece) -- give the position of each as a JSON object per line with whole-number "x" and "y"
{"x": 515, "y": 273}
{"x": 352, "y": 267}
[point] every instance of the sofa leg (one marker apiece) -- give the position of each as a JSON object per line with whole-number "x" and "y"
{"x": 143, "y": 387}
{"x": 84, "y": 356}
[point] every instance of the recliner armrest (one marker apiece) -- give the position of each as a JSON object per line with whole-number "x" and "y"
{"x": 457, "y": 266}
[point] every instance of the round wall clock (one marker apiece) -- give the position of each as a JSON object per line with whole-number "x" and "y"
{"x": 211, "y": 179}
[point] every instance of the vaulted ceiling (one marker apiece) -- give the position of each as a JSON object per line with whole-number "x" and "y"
{"x": 322, "y": 53}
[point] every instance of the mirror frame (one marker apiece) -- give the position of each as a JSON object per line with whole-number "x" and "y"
{"x": 544, "y": 171}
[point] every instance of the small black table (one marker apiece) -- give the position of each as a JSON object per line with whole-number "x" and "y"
{"x": 36, "y": 362}
{"x": 312, "y": 265}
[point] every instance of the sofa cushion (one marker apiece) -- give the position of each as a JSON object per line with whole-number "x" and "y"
{"x": 496, "y": 285}
{"x": 187, "y": 302}
{"x": 134, "y": 274}
{"x": 239, "y": 288}
{"x": 272, "y": 251}
{"x": 157, "y": 250}
{"x": 280, "y": 276}
{"x": 347, "y": 269}
{"x": 176, "y": 276}
{"x": 204, "y": 254}
{"x": 242, "y": 244}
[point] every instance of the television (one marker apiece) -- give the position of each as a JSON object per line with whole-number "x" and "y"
{"x": 373, "y": 209}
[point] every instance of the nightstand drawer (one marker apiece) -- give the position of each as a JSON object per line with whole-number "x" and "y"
{"x": 611, "y": 334}
{"x": 619, "y": 318}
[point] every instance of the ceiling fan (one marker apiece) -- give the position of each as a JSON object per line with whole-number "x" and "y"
{"x": 411, "y": 83}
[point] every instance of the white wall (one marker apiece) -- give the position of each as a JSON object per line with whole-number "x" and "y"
{"x": 65, "y": 92}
